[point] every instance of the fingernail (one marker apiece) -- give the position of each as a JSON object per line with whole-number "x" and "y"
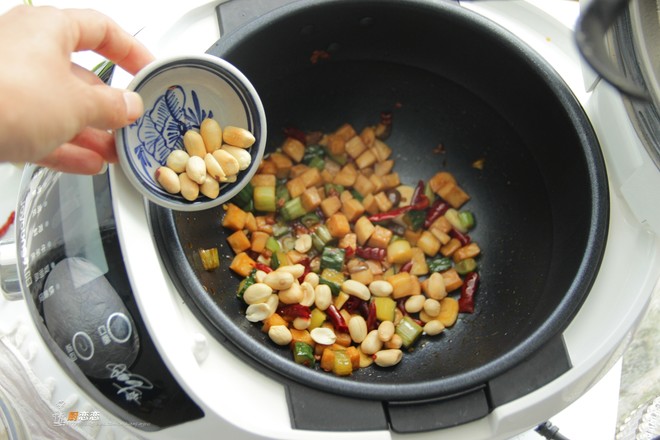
{"x": 134, "y": 105}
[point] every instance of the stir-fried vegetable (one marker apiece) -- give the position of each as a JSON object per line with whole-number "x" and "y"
{"x": 349, "y": 265}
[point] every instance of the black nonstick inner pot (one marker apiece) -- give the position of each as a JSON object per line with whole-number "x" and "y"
{"x": 454, "y": 79}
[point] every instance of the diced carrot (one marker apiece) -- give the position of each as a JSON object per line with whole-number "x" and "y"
{"x": 311, "y": 199}
{"x": 239, "y": 242}
{"x": 327, "y": 359}
{"x": 429, "y": 243}
{"x": 352, "y": 209}
{"x": 301, "y": 336}
{"x": 298, "y": 170}
{"x": 363, "y": 276}
{"x": 295, "y": 187}
{"x": 364, "y": 185}
{"x": 452, "y": 280}
{"x": 383, "y": 202}
{"x": 250, "y": 222}
{"x": 263, "y": 180}
{"x": 470, "y": 250}
{"x": 448, "y": 311}
{"x": 383, "y": 168}
{"x": 368, "y": 136}
{"x": 336, "y": 145}
{"x": 440, "y": 180}
{"x": 267, "y": 167}
{"x": 402, "y": 285}
{"x": 234, "y": 217}
{"x": 370, "y": 204}
{"x": 419, "y": 265}
{"x": 343, "y": 339}
{"x": 348, "y": 241}
{"x": 355, "y": 146}
{"x": 451, "y": 247}
{"x": 294, "y": 149}
{"x": 412, "y": 236}
{"x": 354, "y": 355}
{"x": 380, "y": 238}
{"x": 347, "y": 176}
{"x": 391, "y": 180}
{"x": 456, "y": 197}
{"x": 382, "y": 150}
{"x": 338, "y": 225}
{"x": 330, "y": 205}
{"x": 377, "y": 183}
{"x": 258, "y": 241}
{"x": 282, "y": 164}
{"x": 345, "y": 131}
{"x": 366, "y": 159}
{"x": 242, "y": 264}
{"x": 311, "y": 177}
{"x": 273, "y": 320}
{"x": 363, "y": 229}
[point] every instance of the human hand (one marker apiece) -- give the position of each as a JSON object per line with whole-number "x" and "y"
{"x": 53, "y": 112}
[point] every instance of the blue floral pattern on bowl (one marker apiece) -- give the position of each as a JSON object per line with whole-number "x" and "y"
{"x": 161, "y": 129}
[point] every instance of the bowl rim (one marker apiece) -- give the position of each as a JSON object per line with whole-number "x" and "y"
{"x": 258, "y": 118}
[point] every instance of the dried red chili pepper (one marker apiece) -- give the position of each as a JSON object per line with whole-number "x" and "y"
{"x": 295, "y": 133}
{"x": 437, "y": 209}
{"x": 463, "y": 238}
{"x": 10, "y": 221}
{"x": 468, "y": 289}
{"x": 338, "y": 321}
{"x": 419, "y": 190}
{"x": 370, "y": 253}
{"x": 294, "y": 311}
{"x": 422, "y": 204}
{"x": 406, "y": 267}
{"x": 349, "y": 251}
{"x": 306, "y": 264}
{"x": 262, "y": 266}
{"x": 372, "y": 319}
{"x": 355, "y": 305}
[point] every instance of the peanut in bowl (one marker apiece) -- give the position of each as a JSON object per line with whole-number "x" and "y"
{"x": 201, "y": 137}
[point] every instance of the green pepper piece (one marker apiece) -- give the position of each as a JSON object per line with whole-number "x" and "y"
{"x": 414, "y": 219}
{"x": 245, "y": 283}
{"x": 439, "y": 264}
{"x": 466, "y": 266}
{"x": 303, "y": 354}
{"x": 409, "y": 331}
{"x": 332, "y": 258}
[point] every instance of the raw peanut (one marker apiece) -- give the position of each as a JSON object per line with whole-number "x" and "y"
{"x": 432, "y": 307}
{"x": 297, "y": 270}
{"x": 211, "y": 134}
{"x": 303, "y": 243}
{"x": 228, "y": 162}
{"x": 301, "y": 323}
{"x": 356, "y": 289}
{"x": 177, "y": 160}
{"x": 273, "y": 302}
{"x": 210, "y": 188}
{"x": 168, "y": 179}
{"x": 357, "y": 328}
{"x": 371, "y": 344}
{"x": 194, "y": 143}
{"x": 280, "y": 334}
{"x": 259, "y": 312}
{"x": 214, "y": 169}
{"x": 257, "y": 293}
{"x": 365, "y": 359}
{"x": 388, "y": 358}
{"x": 196, "y": 169}
{"x": 242, "y": 156}
{"x": 385, "y": 331}
{"x": 322, "y": 296}
{"x": 189, "y": 189}
{"x": 433, "y": 327}
{"x": 279, "y": 280}
{"x": 291, "y": 295}
{"x": 380, "y": 288}
{"x": 232, "y": 179}
{"x": 238, "y": 137}
{"x": 415, "y": 303}
{"x": 395, "y": 342}
{"x": 308, "y": 294}
{"x": 259, "y": 276}
{"x": 313, "y": 279}
{"x": 323, "y": 336}
{"x": 435, "y": 287}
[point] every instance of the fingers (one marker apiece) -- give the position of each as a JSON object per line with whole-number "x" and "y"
{"x": 92, "y": 30}
{"x": 105, "y": 107}
{"x": 87, "y": 153}
{"x": 70, "y": 158}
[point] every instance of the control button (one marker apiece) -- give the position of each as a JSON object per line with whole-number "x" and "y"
{"x": 83, "y": 346}
{"x": 119, "y": 327}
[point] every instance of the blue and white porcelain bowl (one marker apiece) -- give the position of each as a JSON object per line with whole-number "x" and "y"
{"x": 179, "y": 93}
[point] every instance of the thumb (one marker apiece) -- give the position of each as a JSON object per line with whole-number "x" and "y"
{"x": 110, "y": 108}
